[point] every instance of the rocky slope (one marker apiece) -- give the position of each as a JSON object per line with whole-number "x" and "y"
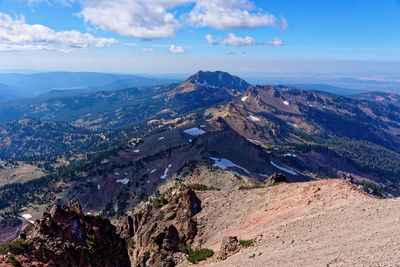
{"x": 323, "y": 135}
{"x": 328, "y": 222}
{"x": 67, "y": 237}
{"x": 320, "y": 223}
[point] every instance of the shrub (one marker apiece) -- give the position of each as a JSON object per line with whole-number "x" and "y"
{"x": 161, "y": 217}
{"x": 16, "y": 247}
{"x": 246, "y": 243}
{"x": 247, "y": 187}
{"x": 13, "y": 261}
{"x": 156, "y": 203}
{"x": 90, "y": 241}
{"x": 202, "y": 187}
{"x": 129, "y": 242}
{"x": 199, "y": 254}
{"x": 184, "y": 248}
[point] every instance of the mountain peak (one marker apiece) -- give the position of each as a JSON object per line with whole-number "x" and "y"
{"x": 217, "y": 79}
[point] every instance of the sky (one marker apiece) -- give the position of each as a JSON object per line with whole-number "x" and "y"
{"x": 274, "y": 37}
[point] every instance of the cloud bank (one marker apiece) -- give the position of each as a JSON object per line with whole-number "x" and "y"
{"x": 159, "y": 19}
{"x": 17, "y": 35}
{"x": 233, "y": 40}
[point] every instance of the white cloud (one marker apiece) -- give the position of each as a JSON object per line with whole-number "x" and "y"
{"x": 63, "y": 2}
{"x": 232, "y": 14}
{"x": 16, "y": 35}
{"x": 158, "y": 19}
{"x": 233, "y": 40}
{"x": 275, "y": 41}
{"x": 147, "y": 49}
{"x": 176, "y": 49}
{"x": 145, "y": 19}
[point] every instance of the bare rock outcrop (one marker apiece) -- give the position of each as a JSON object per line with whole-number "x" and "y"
{"x": 66, "y": 237}
{"x": 275, "y": 178}
{"x": 156, "y": 232}
{"x": 229, "y": 246}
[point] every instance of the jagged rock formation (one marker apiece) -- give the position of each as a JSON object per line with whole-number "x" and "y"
{"x": 66, "y": 237}
{"x": 230, "y": 245}
{"x": 275, "y": 178}
{"x": 156, "y": 231}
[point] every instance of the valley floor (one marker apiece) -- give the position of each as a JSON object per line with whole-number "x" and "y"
{"x": 323, "y": 223}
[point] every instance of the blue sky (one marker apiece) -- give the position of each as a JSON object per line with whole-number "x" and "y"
{"x": 181, "y": 36}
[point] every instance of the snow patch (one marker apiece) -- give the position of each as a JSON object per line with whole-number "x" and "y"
{"x": 98, "y": 187}
{"x": 253, "y": 118}
{"x": 290, "y": 155}
{"x": 32, "y": 222}
{"x": 226, "y": 163}
{"x": 116, "y": 173}
{"x": 264, "y": 175}
{"x": 194, "y": 131}
{"x": 283, "y": 168}
{"x": 244, "y": 98}
{"x": 123, "y": 181}
{"x": 27, "y": 216}
{"x": 206, "y": 84}
{"x": 148, "y": 181}
{"x": 136, "y": 151}
{"x": 165, "y": 172}
{"x": 253, "y": 141}
{"x": 161, "y": 138}
{"x": 286, "y": 103}
{"x": 153, "y": 171}
{"x": 202, "y": 126}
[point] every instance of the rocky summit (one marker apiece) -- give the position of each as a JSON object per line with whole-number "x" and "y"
{"x": 67, "y": 237}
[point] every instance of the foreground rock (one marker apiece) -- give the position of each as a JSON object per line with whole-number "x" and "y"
{"x": 230, "y": 245}
{"x": 156, "y": 232}
{"x": 275, "y": 179}
{"x": 66, "y": 237}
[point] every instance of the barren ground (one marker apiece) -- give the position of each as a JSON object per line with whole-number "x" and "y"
{"x": 319, "y": 223}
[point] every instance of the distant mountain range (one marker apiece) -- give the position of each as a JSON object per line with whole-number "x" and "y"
{"x": 214, "y": 128}
{"x": 32, "y": 85}
{"x": 121, "y": 108}
{"x": 167, "y": 163}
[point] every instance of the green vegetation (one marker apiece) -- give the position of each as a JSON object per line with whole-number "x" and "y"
{"x": 275, "y": 184}
{"x": 13, "y": 261}
{"x": 129, "y": 242}
{"x": 202, "y": 187}
{"x": 246, "y": 243}
{"x": 161, "y": 217}
{"x": 197, "y": 254}
{"x": 158, "y": 202}
{"x": 248, "y": 187}
{"x": 200, "y": 255}
{"x": 184, "y": 248}
{"x": 16, "y": 247}
{"x": 90, "y": 241}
